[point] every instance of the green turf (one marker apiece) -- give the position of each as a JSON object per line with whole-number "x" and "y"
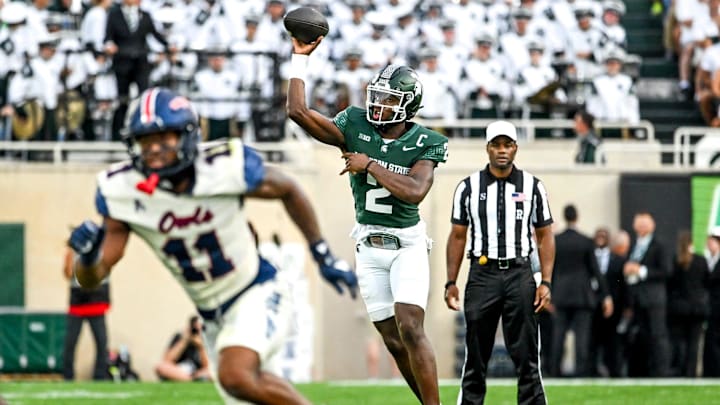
{"x": 31, "y": 393}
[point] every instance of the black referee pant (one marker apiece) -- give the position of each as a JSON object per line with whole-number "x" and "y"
{"x": 490, "y": 293}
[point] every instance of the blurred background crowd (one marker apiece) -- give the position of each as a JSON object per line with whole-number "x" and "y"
{"x": 70, "y": 67}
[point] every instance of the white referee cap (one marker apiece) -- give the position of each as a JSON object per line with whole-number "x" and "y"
{"x": 500, "y": 128}
{"x": 715, "y": 231}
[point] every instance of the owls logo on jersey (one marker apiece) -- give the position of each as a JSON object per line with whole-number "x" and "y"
{"x": 159, "y": 110}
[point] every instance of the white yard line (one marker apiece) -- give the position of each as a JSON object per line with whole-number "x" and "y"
{"x": 618, "y": 382}
{"x": 71, "y": 394}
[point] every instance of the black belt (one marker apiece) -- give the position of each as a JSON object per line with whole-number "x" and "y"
{"x": 502, "y": 264}
{"x": 383, "y": 241}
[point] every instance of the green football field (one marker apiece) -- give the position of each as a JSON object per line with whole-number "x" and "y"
{"x": 601, "y": 392}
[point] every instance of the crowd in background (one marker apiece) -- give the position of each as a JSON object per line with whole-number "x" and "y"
{"x": 691, "y": 35}
{"x": 476, "y": 59}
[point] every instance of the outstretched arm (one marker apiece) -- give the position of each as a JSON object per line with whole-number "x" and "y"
{"x": 314, "y": 123}
{"x": 277, "y": 185}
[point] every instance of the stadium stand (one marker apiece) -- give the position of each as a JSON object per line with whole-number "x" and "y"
{"x": 659, "y": 101}
{"x": 256, "y": 48}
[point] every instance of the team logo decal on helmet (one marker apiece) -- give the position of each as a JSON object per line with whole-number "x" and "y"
{"x": 395, "y": 88}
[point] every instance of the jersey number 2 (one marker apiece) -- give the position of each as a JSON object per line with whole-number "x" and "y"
{"x": 375, "y": 194}
{"x": 207, "y": 242}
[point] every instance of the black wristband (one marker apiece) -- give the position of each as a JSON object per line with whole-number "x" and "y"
{"x": 449, "y": 283}
{"x": 367, "y": 166}
{"x": 546, "y": 284}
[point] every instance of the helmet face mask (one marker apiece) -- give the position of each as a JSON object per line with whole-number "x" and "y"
{"x": 397, "y": 89}
{"x": 158, "y": 151}
{"x": 156, "y": 112}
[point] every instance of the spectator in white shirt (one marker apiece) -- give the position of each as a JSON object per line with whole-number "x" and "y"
{"x": 513, "y": 44}
{"x": 439, "y": 95}
{"x": 92, "y": 28}
{"x": 453, "y": 54}
{"x": 37, "y": 15}
{"x": 709, "y": 63}
{"x": 407, "y": 33}
{"x": 254, "y": 71}
{"x": 587, "y": 42}
{"x": 690, "y": 15}
{"x": 615, "y": 99}
{"x": 613, "y": 10}
{"x": 353, "y": 79}
{"x": 378, "y": 49}
{"x": 485, "y": 81}
{"x": 430, "y": 22}
{"x": 352, "y": 31}
{"x": 217, "y": 91}
{"x": 531, "y": 79}
{"x": 17, "y": 41}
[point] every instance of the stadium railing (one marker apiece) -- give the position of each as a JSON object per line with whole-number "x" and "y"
{"x": 696, "y": 147}
{"x": 99, "y": 151}
{"x": 296, "y": 141}
{"x": 529, "y": 127}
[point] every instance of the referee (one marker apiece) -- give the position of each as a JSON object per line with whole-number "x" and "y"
{"x": 499, "y": 204}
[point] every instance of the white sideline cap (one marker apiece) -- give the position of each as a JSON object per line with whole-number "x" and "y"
{"x": 500, "y": 128}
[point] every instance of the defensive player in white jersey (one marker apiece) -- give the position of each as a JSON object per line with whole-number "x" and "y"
{"x": 187, "y": 202}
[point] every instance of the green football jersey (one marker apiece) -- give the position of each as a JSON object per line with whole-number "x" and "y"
{"x": 374, "y": 205}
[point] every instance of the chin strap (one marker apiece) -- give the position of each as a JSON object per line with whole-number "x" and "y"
{"x": 149, "y": 185}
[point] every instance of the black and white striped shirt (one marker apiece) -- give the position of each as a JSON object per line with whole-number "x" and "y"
{"x": 499, "y": 212}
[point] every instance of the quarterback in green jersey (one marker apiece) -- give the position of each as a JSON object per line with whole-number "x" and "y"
{"x": 391, "y": 163}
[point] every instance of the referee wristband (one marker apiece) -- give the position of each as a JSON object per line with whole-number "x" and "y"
{"x": 449, "y": 283}
{"x": 546, "y": 284}
{"x": 298, "y": 67}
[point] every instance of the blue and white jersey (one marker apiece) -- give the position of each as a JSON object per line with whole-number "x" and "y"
{"x": 201, "y": 236}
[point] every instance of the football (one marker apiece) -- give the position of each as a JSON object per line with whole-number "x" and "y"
{"x": 306, "y": 24}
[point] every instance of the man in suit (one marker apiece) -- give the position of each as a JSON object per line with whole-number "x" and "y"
{"x": 606, "y": 349}
{"x": 646, "y": 272}
{"x": 575, "y": 300}
{"x": 711, "y": 357}
{"x": 125, "y": 40}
